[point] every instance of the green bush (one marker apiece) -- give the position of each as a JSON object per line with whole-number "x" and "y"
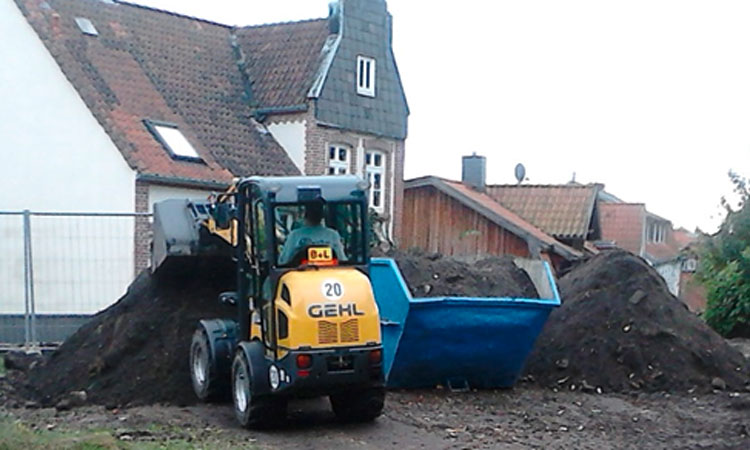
{"x": 725, "y": 268}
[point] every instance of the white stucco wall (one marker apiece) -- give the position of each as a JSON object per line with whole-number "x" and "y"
{"x": 671, "y": 274}
{"x": 56, "y": 157}
{"x": 158, "y": 193}
{"x": 291, "y": 136}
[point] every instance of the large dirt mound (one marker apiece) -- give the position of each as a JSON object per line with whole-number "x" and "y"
{"x": 619, "y": 329}
{"x": 437, "y": 276}
{"x": 136, "y": 351}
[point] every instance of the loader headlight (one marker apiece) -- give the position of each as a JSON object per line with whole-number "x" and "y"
{"x": 273, "y": 377}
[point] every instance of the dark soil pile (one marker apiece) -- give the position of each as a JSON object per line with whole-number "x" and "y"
{"x": 137, "y": 351}
{"x": 437, "y": 276}
{"x": 619, "y": 329}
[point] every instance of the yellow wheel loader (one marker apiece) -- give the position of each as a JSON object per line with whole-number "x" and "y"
{"x": 307, "y": 323}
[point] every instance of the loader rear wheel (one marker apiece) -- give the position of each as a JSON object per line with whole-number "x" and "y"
{"x": 250, "y": 410}
{"x": 362, "y": 405}
{"x": 206, "y": 383}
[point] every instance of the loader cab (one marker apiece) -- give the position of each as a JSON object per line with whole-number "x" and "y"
{"x": 277, "y": 237}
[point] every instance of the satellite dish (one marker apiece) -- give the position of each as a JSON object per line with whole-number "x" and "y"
{"x": 520, "y": 173}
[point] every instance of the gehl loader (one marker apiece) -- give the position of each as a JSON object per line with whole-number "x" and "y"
{"x": 307, "y": 323}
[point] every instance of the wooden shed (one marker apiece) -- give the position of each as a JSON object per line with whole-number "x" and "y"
{"x": 451, "y": 218}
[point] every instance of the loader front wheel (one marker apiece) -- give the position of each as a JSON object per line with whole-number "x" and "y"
{"x": 363, "y": 405}
{"x": 250, "y": 410}
{"x": 203, "y": 373}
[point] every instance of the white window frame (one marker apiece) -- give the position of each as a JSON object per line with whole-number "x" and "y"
{"x": 365, "y": 76}
{"x": 336, "y": 165}
{"x": 373, "y": 173}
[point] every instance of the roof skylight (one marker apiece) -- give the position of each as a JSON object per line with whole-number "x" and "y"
{"x": 173, "y": 140}
{"x": 86, "y": 26}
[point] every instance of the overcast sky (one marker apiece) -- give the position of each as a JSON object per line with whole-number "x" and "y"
{"x": 649, "y": 97}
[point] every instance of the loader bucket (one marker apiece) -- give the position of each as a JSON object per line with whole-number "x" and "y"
{"x": 458, "y": 342}
{"x": 180, "y": 242}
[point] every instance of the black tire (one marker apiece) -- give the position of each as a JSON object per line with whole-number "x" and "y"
{"x": 250, "y": 410}
{"x": 363, "y": 405}
{"x": 204, "y": 375}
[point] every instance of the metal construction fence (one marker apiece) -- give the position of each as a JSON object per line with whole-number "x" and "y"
{"x": 58, "y": 269}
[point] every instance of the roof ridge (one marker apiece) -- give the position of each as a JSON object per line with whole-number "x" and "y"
{"x": 287, "y": 22}
{"x": 172, "y": 13}
{"x": 561, "y": 185}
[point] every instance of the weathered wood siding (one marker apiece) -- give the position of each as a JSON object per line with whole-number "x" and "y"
{"x": 435, "y": 222}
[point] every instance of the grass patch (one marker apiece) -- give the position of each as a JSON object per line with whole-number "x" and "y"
{"x": 15, "y": 435}
{"x": 2, "y": 366}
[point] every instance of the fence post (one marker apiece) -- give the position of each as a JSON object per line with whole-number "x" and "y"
{"x": 28, "y": 272}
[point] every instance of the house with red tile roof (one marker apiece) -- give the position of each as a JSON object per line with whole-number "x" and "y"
{"x": 631, "y": 227}
{"x": 112, "y": 106}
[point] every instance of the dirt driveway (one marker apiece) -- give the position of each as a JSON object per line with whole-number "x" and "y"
{"x": 525, "y": 417}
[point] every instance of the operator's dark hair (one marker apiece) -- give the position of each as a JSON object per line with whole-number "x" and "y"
{"x": 314, "y": 212}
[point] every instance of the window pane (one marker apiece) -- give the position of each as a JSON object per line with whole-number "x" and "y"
{"x": 376, "y": 185}
{"x": 376, "y": 199}
{"x": 368, "y": 158}
{"x": 361, "y": 73}
{"x": 177, "y": 143}
{"x": 342, "y": 154}
{"x": 342, "y": 171}
{"x": 332, "y": 152}
{"x": 378, "y": 160}
{"x": 367, "y": 82}
{"x": 345, "y": 219}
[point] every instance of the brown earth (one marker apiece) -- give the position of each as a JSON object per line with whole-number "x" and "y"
{"x": 524, "y": 417}
{"x": 619, "y": 329}
{"x": 436, "y": 276}
{"x": 136, "y": 352}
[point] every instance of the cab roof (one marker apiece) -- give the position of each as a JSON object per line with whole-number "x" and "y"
{"x": 330, "y": 188}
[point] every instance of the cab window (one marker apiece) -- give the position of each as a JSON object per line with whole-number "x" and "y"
{"x": 336, "y": 225}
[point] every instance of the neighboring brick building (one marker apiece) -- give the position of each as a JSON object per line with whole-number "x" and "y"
{"x": 631, "y": 227}
{"x": 189, "y": 104}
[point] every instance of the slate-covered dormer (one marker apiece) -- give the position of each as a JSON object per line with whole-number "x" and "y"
{"x": 353, "y": 118}
{"x": 362, "y": 90}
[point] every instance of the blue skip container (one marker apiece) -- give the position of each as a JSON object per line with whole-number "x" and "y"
{"x": 458, "y": 342}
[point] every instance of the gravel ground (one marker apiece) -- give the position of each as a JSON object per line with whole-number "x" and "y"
{"x": 525, "y": 417}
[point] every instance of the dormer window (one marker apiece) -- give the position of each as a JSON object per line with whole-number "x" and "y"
{"x": 657, "y": 232}
{"x": 173, "y": 141}
{"x": 366, "y": 76}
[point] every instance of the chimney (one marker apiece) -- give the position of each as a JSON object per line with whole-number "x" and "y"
{"x": 474, "y": 172}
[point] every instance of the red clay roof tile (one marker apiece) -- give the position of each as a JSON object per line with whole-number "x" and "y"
{"x": 150, "y": 64}
{"x": 563, "y": 211}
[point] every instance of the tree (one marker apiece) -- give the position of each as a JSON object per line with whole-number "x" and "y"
{"x": 725, "y": 266}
